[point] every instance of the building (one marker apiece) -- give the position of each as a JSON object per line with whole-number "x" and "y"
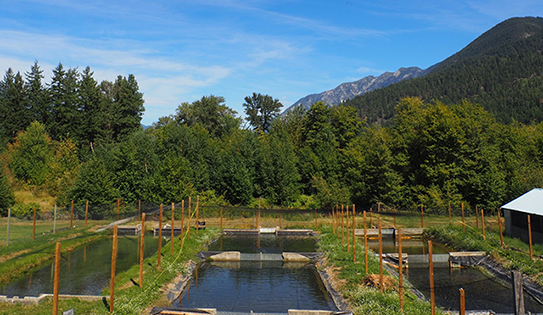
{"x": 516, "y": 216}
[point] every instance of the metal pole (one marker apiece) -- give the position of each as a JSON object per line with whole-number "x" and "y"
{"x": 55, "y": 220}
{"x": 87, "y": 212}
{"x": 72, "y": 216}
{"x": 431, "y": 266}
{"x": 354, "y": 236}
{"x": 365, "y": 243}
{"x": 380, "y": 257}
{"x": 347, "y": 225}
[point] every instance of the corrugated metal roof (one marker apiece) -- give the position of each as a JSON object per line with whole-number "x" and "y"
{"x": 531, "y": 202}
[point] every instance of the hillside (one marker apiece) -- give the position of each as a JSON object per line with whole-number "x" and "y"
{"x": 349, "y": 90}
{"x": 502, "y": 70}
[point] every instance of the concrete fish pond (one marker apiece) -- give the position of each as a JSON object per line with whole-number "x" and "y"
{"x": 253, "y": 272}
{"x": 85, "y": 271}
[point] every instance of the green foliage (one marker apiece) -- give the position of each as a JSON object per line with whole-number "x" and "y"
{"x": 31, "y": 155}
{"x": 261, "y": 110}
{"x": 7, "y": 197}
{"x": 24, "y": 210}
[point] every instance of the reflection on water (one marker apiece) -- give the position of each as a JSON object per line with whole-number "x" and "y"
{"x": 257, "y": 286}
{"x": 265, "y": 243}
{"x": 411, "y": 247}
{"x": 86, "y": 270}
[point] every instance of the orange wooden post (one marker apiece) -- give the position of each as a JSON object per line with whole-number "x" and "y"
{"x": 422, "y": 216}
{"x": 182, "y": 223}
{"x": 347, "y": 231}
{"x": 395, "y": 211}
{"x": 113, "y": 262}
{"x": 118, "y": 207}
{"x": 189, "y": 216}
{"x": 371, "y": 218}
{"x": 334, "y": 220}
{"x": 56, "y": 278}
{"x": 171, "y": 237}
{"x": 463, "y": 219}
{"x": 354, "y": 236}
{"x": 450, "y": 216}
{"x": 365, "y": 243}
{"x": 400, "y": 268}
{"x": 477, "y": 217}
{"x": 257, "y": 223}
{"x": 141, "y": 247}
{"x": 221, "y": 218}
{"x": 462, "y": 302}
{"x": 87, "y": 212}
{"x": 139, "y": 208}
{"x": 72, "y": 216}
{"x": 431, "y": 265}
{"x": 530, "y": 236}
{"x": 500, "y": 227}
{"x": 483, "y": 222}
{"x": 342, "y": 225}
{"x": 380, "y": 257}
{"x": 197, "y": 213}
{"x": 159, "y": 237}
{"x": 34, "y": 225}
{"x": 379, "y": 207}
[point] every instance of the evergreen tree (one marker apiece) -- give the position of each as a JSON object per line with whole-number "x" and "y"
{"x": 66, "y": 119}
{"x": 14, "y": 112}
{"x": 37, "y": 95}
{"x": 91, "y": 106}
{"x": 126, "y": 109}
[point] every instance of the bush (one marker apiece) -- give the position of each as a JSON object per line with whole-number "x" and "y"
{"x": 22, "y": 210}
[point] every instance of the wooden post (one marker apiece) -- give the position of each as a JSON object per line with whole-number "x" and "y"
{"x": 380, "y": 257}
{"x": 483, "y": 222}
{"x": 171, "y": 237}
{"x": 347, "y": 231}
{"x": 365, "y": 243}
{"x": 280, "y": 219}
{"x": 113, "y": 262}
{"x": 371, "y": 218}
{"x": 72, "y": 216}
{"x": 257, "y": 225}
{"x": 400, "y": 268}
{"x": 141, "y": 247}
{"x": 334, "y": 220}
{"x": 342, "y": 226}
{"x": 463, "y": 219}
{"x": 379, "y": 207}
{"x": 518, "y": 297}
{"x": 56, "y": 278}
{"x": 395, "y": 212}
{"x": 87, "y": 212}
{"x": 462, "y": 302}
{"x": 422, "y": 216}
{"x": 221, "y": 218}
{"x": 34, "y": 225}
{"x": 450, "y": 216}
{"x": 159, "y": 237}
{"x": 197, "y": 213}
{"x": 500, "y": 227}
{"x": 431, "y": 266}
{"x": 139, "y": 208}
{"x": 354, "y": 236}
{"x": 9, "y": 224}
{"x": 530, "y": 236}
{"x": 182, "y": 223}
{"x": 118, "y": 207}
{"x": 189, "y": 216}
{"x": 476, "y": 217}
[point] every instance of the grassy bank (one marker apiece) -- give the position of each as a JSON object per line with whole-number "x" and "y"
{"x": 514, "y": 256}
{"x": 356, "y": 286}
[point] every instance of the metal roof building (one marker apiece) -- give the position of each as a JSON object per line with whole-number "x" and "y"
{"x": 516, "y": 215}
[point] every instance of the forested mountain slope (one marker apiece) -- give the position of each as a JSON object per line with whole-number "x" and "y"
{"x": 502, "y": 70}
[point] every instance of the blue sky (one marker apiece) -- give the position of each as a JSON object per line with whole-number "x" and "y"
{"x": 180, "y": 51}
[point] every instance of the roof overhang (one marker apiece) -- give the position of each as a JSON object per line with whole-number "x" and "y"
{"x": 531, "y": 202}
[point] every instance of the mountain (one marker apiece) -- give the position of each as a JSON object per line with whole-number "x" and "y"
{"x": 349, "y": 90}
{"x": 502, "y": 70}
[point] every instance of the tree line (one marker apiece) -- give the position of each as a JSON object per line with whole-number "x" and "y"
{"x": 431, "y": 154}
